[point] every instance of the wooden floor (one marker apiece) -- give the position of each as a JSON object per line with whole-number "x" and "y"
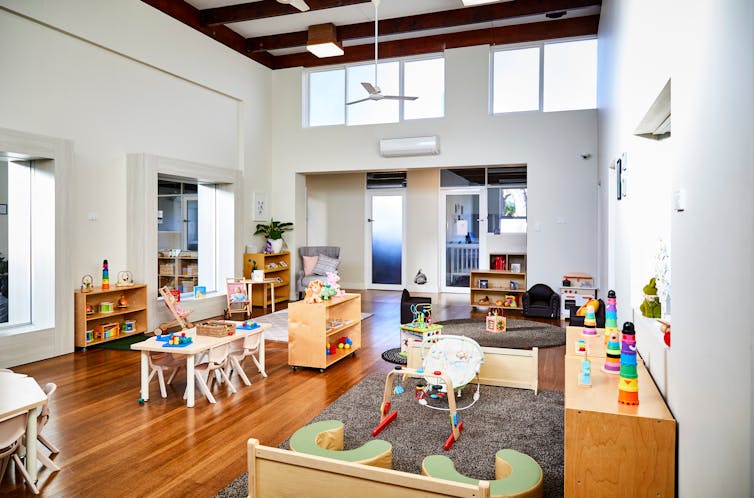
{"x": 112, "y": 446}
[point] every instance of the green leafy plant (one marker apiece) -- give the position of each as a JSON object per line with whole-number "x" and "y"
{"x": 274, "y": 229}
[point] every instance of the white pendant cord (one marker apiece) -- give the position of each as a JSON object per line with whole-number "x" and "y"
{"x": 376, "y": 34}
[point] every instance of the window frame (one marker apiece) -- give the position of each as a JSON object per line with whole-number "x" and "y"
{"x": 520, "y": 46}
{"x": 306, "y": 91}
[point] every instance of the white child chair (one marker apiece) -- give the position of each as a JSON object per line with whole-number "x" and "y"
{"x": 244, "y": 348}
{"x": 160, "y": 365}
{"x": 42, "y": 419}
{"x": 12, "y": 432}
{"x": 215, "y": 362}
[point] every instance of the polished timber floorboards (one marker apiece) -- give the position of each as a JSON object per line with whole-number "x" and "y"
{"x": 112, "y": 446}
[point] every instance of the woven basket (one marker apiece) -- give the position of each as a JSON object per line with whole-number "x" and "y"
{"x": 216, "y": 328}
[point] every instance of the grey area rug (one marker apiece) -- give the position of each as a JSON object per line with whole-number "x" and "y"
{"x": 520, "y": 334}
{"x": 502, "y": 418}
{"x": 279, "y": 321}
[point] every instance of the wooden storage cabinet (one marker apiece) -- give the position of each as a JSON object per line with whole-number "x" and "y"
{"x": 277, "y": 266}
{"x": 178, "y": 272}
{"x": 309, "y": 330}
{"x": 498, "y": 285}
{"x": 136, "y": 310}
{"x": 613, "y": 449}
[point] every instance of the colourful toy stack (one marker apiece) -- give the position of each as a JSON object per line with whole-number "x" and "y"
{"x": 612, "y": 353}
{"x": 105, "y": 276}
{"x": 611, "y": 315}
{"x": 628, "y": 386}
{"x": 590, "y": 322}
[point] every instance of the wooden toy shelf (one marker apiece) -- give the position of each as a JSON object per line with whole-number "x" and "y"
{"x": 498, "y": 286}
{"x": 613, "y": 449}
{"x": 136, "y": 311}
{"x": 172, "y": 271}
{"x": 308, "y": 334}
{"x": 276, "y": 265}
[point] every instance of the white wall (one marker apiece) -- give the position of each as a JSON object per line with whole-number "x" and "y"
{"x": 561, "y": 184}
{"x": 118, "y": 77}
{"x": 708, "y": 54}
{"x": 335, "y": 215}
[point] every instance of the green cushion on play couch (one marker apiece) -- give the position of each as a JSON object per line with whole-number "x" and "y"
{"x": 517, "y": 474}
{"x": 325, "y": 439}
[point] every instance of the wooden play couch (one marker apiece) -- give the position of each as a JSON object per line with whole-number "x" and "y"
{"x": 502, "y": 366}
{"x": 275, "y": 473}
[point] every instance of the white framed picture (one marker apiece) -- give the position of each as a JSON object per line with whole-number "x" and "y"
{"x": 259, "y": 206}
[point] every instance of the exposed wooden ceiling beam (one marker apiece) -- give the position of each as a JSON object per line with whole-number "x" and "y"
{"x": 420, "y": 22}
{"x": 519, "y": 33}
{"x": 189, "y": 15}
{"x": 264, "y": 8}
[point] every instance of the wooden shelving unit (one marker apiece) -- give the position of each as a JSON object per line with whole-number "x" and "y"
{"x": 309, "y": 332}
{"x": 599, "y": 432}
{"x": 136, "y": 295}
{"x": 498, "y": 286}
{"x": 172, "y": 271}
{"x": 277, "y": 266}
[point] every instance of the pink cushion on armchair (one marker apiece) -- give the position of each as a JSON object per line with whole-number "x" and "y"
{"x": 309, "y": 264}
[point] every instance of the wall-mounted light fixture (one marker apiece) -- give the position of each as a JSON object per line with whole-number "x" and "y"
{"x": 323, "y": 41}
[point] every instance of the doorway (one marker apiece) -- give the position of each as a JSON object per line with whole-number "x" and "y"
{"x": 462, "y": 230}
{"x": 385, "y": 235}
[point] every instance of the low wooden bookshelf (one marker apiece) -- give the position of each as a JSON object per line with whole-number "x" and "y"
{"x": 312, "y": 326}
{"x": 88, "y": 327}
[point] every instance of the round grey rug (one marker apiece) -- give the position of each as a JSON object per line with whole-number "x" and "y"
{"x": 520, "y": 334}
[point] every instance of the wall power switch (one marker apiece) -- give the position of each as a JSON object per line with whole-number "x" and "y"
{"x": 92, "y": 216}
{"x": 679, "y": 200}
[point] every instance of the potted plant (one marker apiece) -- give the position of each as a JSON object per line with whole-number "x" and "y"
{"x": 273, "y": 231}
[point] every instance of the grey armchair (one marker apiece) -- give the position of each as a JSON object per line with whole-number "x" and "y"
{"x": 303, "y": 281}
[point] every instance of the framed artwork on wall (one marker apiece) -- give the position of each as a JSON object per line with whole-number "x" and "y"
{"x": 260, "y": 211}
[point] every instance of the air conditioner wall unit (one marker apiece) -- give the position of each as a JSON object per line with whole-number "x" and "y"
{"x": 413, "y": 146}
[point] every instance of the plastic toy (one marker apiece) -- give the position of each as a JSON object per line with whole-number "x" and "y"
{"x": 628, "y": 385}
{"x": 105, "y": 276}
{"x": 612, "y": 353}
{"x": 651, "y": 307}
{"x": 510, "y": 302}
{"x": 611, "y": 311}
{"x": 248, "y": 325}
{"x": 581, "y": 347}
{"x": 87, "y": 283}
{"x": 585, "y": 377}
{"x": 590, "y": 322}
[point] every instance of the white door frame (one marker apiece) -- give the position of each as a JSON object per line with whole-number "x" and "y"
{"x": 370, "y": 193}
{"x": 442, "y": 230}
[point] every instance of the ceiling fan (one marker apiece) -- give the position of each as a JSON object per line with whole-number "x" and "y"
{"x": 374, "y": 90}
{"x": 299, "y": 4}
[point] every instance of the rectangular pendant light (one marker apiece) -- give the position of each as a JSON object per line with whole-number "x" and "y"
{"x": 323, "y": 41}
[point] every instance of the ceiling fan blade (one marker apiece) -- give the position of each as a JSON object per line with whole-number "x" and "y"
{"x": 371, "y": 89}
{"x": 299, "y": 4}
{"x": 398, "y": 97}
{"x": 360, "y": 100}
